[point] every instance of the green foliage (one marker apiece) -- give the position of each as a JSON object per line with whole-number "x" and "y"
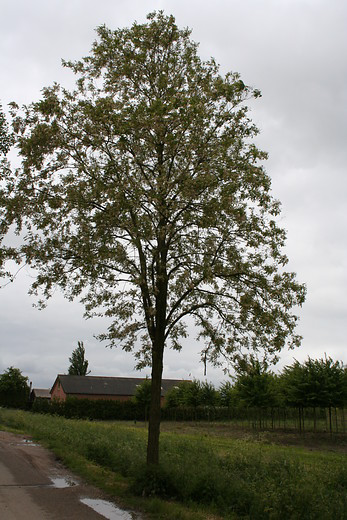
{"x": 228, "y": 394}
{"x": 191, "y": 393}
{"x": 173, "y": 397}
{"x": 14, "y": 388}
{"x": 307, "y": 389}
{"x": 193, "y": 401}
{"x": 142, "y": 397}
{"x": 144, "y": 195}
{"x": 315, "y": 383}
{"x": 99, "y": 409}
{"x": 79, "y": 365}
{"x": 255, "y": 385}
{"x": 295, "y": 384}
{"x": 5, "y": 136}
{"x": 187, "y": 393}
{"x": 222, "y": 476}
{"x": 141, "y": 193}
{"x": 209, "y": 396}
{"x": 6, "y": 140}
{"x": 154, "y": 480}
{"x": 143, "y": 393}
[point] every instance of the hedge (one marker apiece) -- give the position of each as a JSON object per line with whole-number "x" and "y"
{"x": 101, "y": 409}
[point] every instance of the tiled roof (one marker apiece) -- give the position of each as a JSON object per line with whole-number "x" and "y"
{"x": 98, "y": 385}
{"x": 41, "y": 392}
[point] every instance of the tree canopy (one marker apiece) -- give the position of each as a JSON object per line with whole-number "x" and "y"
{"x": 79, "y": 365}
{"x": 316, "y": 383}
{"x": 255, "y": 384}
{"x": 14, "y": 388}
{"x": 142, "y": 396}
{"x": 5, "y": 136}
{"x": 142, "y": 193}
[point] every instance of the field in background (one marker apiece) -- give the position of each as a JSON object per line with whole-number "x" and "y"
{"x": 243, "y": 430}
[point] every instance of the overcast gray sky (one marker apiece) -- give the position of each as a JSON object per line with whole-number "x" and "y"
{"x": 295, "y": 52}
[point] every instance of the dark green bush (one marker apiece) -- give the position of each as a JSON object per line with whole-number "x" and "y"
{"x": 101, "y": 409}
{"x": 14, "y": 389}
{"x": 155, "y": 481}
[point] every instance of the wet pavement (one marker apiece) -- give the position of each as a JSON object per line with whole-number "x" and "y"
{"x": 107, "y": 509}
{"x": 35, "y": 486}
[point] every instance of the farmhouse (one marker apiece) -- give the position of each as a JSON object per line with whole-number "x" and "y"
{"x": 97, "y": 387}
{"x": 40, "y": 393}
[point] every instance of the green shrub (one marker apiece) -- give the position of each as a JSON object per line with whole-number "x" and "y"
{"x": 14, "y": 389}
{"x": 101, "y": 409}
{"x": 155, "y": 481}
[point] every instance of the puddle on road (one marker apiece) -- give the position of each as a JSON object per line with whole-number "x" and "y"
{"x": 106, "y": 509}
{"x": 27, "y": 442}
{"x": 62, "y": 482}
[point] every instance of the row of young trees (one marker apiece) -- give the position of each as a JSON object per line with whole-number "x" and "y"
{"x": 320, "y": 383}
{"x": 313, "y": 390}
{"x": 315, "y": 383}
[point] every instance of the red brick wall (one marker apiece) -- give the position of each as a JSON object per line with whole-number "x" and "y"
{"x": 58, "y": 392}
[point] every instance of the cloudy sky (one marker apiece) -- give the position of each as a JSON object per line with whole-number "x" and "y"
{"x": 295, "y": 52}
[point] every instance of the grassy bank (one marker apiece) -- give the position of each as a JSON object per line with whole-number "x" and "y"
{"x": 201, "y": 475}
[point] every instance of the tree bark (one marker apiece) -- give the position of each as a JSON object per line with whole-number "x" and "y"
{"x": 330, "y": 421}
{"x": 155, "y": 407}
{"x": 158, "y": 343}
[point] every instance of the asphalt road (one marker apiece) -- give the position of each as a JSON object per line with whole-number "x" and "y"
{"x": 35, "y": 486}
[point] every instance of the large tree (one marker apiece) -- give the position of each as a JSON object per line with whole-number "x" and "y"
{"x": 142, "y": 193}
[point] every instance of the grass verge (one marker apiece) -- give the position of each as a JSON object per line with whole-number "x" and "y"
{"x": 201, "y": 476}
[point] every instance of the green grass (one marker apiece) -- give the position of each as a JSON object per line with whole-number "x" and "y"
{"x": 202, "y": 474}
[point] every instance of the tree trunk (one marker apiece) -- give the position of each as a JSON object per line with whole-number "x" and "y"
{"x": 158, "y": 343}
{"x": 154, "y": 411}
{"x": 330, "y": 421}
{"x": 343, "y": 419}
